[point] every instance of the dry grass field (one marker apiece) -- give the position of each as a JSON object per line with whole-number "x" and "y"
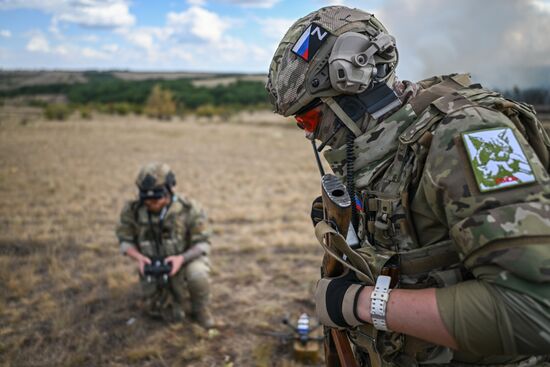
{"x": 68, "y": 298}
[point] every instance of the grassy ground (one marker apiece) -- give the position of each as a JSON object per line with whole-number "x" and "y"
{"x": 68, "y": 298}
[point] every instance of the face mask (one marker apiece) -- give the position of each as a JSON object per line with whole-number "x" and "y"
{"x": 330, "y": 131}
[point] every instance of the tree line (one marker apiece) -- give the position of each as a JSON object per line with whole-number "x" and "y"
{"x": 533, "y": 96}
{"x": 162, "y": 98}
{"x": 157, "y": 97}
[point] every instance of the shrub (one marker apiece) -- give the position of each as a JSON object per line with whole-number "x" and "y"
{"x": 37, "y": 103}
{"x": 160, "y": 103}
{"x": 57, "y": 111}
{"x": 206, "y": 110}
{"x": 85, "y": 112}
{"x": 121, "y": 108}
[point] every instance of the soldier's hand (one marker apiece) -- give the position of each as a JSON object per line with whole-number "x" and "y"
{"x": 176, "y": 261}
{"x": 336, "y": 300}
{"x": 142, "y": 261}
{"x": 138, "y": 257}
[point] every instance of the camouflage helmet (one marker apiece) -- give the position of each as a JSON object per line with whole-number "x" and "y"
{"x": 305, "y": 66}
{"x": 155, "y": 180}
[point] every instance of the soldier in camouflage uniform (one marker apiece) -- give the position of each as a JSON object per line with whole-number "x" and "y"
{"x": 162, "y": 224}
{"x": 452, "y": 195}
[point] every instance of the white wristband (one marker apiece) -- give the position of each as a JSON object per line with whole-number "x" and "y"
{"x": 379, "y": 299}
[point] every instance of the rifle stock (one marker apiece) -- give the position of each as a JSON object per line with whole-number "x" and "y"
{"x": 337, "y": 210}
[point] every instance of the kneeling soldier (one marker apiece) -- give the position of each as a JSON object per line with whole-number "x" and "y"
{"x": 167, "y": 236}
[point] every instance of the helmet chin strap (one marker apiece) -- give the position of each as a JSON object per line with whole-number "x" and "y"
{"x": 342, "y": 115}
{"x": 376, "y": 101}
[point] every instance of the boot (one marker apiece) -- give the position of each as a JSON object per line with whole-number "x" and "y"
{"x": 199, "y": 290}
{"x": 178, "y": 315}
{"x": 203, "y": 317}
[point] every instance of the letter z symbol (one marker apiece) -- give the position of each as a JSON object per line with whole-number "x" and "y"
{"x": 320, "y": 34}
{"x": 310, "y": 41}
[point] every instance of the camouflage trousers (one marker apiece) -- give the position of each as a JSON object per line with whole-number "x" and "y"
{"x": 191, "y": 283}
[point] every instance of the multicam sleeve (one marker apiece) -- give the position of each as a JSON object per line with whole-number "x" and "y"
{"x": 126, "y": 229}
{"x": 493, "y": 196}
{"x": 486, "y": 185}
{"x": 199, "y": 232}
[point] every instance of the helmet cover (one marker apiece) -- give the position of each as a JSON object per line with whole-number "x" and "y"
{"x": 299, "y": 72}
{"x": 155, "y": 180}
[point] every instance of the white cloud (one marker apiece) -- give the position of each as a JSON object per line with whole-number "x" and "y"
{"x": 145, "y": 38}
{"x": 181, "y": 54}
{"x": 141, "y": 39}
{"x": 190, "y": 38}
{"x": 335, "y": 2}
{"x": 233, "y": 53}
{"x": 196, "y": 22}
{"x": 54, "y": 28}
{"x": 113, "y": 13}
{"x": 542, "y": 5}
{"x": 275, "y": 28}
{"x": 235, "y": 50}
{"x": 38, "y": 43}
{"x": 89, "y": 13}
{"x": 111, "y": 48}
{"x": 500, "y": 43}
{"x": 62, "y": 50}
{"x": 91, "y": 53}
{"x": 196, "y": 2}
{"x": 253, "y": 3}
{"x": 91, "y": 38}
{"x": 5, "y": 33}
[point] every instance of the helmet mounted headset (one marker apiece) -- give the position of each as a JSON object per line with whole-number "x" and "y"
{"x": 155, "y": 181}
{"x": 339, "y": 56}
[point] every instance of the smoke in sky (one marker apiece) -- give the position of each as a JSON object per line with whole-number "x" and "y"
{"x": 501, "y": 42}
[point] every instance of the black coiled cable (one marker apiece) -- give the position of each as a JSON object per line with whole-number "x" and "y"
{"x": 350, "y": 177}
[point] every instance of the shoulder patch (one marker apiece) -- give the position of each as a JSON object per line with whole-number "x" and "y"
{"x": 497, "y": 159}
{"x": 310, "y": 41}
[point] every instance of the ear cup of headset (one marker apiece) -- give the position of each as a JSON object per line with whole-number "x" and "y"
{"x": 356, "y": 60}
{"x": 351, "y": 69}
{"x": 170, "y": 179}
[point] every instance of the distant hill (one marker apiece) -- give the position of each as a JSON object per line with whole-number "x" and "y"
{"x": 14, "y": 79}
{"x": 11, "y": 80}
{"x": 189, "y": 90}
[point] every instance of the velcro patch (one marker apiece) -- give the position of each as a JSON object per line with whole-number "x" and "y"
{"x": 497, "y": 159}
{"x": 310, "y": 41}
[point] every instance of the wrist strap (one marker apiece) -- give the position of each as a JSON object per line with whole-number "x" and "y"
{"x": 379, "y": 300}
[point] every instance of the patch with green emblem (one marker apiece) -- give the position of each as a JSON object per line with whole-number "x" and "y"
{"x": 497, "y": 159}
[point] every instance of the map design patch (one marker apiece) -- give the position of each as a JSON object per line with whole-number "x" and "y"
{"x": 497, "y": 159}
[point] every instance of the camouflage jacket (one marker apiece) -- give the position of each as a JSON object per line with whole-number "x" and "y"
{"x": 184, "y": 226}
{"x": 454, "y": 186}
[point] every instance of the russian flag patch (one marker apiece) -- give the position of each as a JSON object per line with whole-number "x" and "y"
{"x": 358, "y": 204}
{"x": 310, "y": 41}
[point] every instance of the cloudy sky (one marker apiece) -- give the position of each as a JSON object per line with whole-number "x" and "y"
{"x": 501, "y": 42}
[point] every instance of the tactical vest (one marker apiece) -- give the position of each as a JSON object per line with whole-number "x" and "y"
{"x": 166, "y": 237}
{"x": 386, "y": 172}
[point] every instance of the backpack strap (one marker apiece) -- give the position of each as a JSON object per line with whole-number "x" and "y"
{"x": 433, "y": 92}
{"x": 525, "y": 119}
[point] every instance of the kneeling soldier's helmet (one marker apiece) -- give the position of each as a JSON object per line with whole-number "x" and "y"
{"x": 334, "y": 50}
{"x": 155, "y": 180}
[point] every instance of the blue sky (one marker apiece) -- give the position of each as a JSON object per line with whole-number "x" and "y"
{"x": 501, "y": 42}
